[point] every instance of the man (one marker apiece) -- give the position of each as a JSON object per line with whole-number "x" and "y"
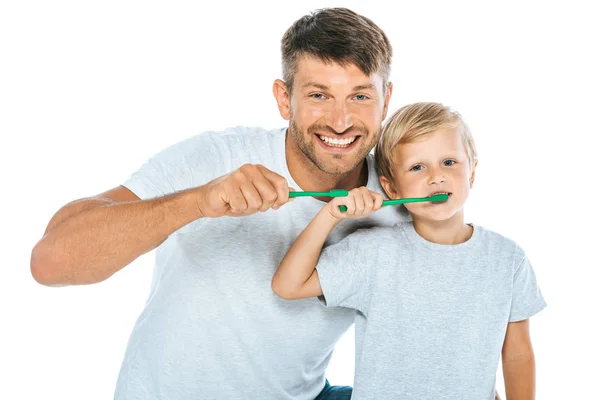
{"x": 216, "y": 209}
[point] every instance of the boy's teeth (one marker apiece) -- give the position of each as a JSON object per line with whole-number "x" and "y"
{"x": 337, "y": 142}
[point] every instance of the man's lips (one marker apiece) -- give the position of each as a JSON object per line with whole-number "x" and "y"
{"x": 342, "y": 142}
{"x": 338, "y": 141}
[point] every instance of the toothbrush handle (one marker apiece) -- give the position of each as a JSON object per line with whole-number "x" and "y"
{"x": 303, "y": 194}
{"x": 396, "y": 201}
{"x": 404, "y": 201}
{"x": 331, "y": 193}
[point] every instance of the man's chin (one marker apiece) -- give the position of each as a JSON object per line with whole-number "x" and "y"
{"x": 336, "y": 168}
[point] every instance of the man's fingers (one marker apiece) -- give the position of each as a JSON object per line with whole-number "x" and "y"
{"x": 267, "y": 191}
{"x": 252, "y": 197}
{"x": 237, "y": 200}
{"x": 280, "y": 184}
{"x": 377, "y": 201}
{"x": 290, "y": 189}
{"x": 253, "y": 188}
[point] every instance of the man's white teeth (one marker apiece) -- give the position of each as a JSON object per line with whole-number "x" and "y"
{"x": 338, "y": 142}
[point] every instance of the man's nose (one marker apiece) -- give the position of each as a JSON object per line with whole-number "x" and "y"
{"x": 340, "y": 119}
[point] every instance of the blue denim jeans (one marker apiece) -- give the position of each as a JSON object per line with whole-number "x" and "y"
{"x": 335, "y": 392}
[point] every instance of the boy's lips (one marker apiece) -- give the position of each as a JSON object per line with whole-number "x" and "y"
{"x": 440, "y": 192}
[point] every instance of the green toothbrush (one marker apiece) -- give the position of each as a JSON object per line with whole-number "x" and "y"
{"x": 343, "y": 193}
{"x": 331, "y": 193}
{"x": 434, "y": 199}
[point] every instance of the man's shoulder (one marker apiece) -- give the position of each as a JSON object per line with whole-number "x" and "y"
{"x": 237, "y": 142}
{"x": 241, "y": 133}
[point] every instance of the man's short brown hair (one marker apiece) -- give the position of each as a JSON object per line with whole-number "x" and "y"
{"x": 336, "y": 35}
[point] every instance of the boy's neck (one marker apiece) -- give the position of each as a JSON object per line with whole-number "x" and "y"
{"x": 450, "y": 231}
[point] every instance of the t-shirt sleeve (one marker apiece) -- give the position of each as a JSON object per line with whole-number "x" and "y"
{"x": 189, "y": 163}
{"x": 344, "y": 272}
{"x": 527, "y": 298}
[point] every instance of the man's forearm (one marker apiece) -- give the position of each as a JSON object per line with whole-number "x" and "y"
{"x": 519, "y": 377}
{"x": 89, "y": 241}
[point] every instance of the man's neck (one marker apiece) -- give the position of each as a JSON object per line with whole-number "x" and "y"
{"x": 310, "y": 178}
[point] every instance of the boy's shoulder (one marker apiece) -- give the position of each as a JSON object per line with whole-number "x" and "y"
{"x": 493, "y": 240}
{"x": 368, "y": 230}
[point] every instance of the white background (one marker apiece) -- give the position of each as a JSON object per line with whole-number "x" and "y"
{"x": 90, "y": 90}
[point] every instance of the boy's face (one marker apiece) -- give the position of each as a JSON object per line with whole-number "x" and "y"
{"x": 437, "y": 164}
{"x": 335, "y": 113}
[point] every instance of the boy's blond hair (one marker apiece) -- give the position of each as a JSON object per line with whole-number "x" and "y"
{"x": 414, "y": 122}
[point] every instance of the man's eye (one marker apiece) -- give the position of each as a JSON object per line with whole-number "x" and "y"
{"x": 317, "y": 96}
{"x": 448, "y": 163}
{"x": 361, "y": 97}
{"x": 417, "y": 167}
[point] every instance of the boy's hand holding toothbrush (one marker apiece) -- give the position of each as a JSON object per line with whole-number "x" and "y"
{"x": 359, "y": 203}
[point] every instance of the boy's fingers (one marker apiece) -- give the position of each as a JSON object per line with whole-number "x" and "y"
{"x": 359, "y": 202}
{"x": 350, "y": 204}
{"x": 369, "y": 203}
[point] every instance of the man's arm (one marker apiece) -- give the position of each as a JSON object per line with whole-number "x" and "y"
{"x": 518, "y": 362}
{"x": 297, "y": 277}
{"x": 89, "y": 240}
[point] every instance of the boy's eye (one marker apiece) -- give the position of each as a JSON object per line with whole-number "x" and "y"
{"x": 448, "y": 163}
{"x": 417, "y": 167}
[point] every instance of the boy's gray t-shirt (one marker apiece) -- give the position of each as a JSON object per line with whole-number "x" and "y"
{"x": 212, "y": 328}
{"x": 433, "y": 317}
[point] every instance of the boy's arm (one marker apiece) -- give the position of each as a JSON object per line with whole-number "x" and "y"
{"x": 296, "y": 277}
{"x": 518, "y": 362}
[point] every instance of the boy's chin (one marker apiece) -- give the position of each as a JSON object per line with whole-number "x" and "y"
{"x": 434, "y": 217}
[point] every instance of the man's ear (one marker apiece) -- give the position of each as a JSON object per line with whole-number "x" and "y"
{"x": 283, "y": 97}
{"x": 472, "y": 178}
{"x": 386, "y": 101}
{"x": 388, "y": 187}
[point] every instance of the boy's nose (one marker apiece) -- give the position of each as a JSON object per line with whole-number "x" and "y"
{"x": 436, "y": 177}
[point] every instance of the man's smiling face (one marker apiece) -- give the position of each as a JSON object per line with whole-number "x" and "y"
{"x": 336, "y": 113}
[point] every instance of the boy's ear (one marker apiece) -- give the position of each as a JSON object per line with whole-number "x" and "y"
{"x": 282, "y": 96}
{"x": 388, "y": 187}
{"x": 472, "y": 178}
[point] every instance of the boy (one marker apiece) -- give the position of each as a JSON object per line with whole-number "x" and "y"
{"x": 441, "y": 299}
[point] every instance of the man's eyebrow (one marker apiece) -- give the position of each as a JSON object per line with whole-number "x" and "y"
{"x": 315, "y": 84}
{"x": 368, "y": 86}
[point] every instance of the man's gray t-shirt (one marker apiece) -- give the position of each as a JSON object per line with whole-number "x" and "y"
{"x": 434, "y": 317}
{"x": 212, "y": 328}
